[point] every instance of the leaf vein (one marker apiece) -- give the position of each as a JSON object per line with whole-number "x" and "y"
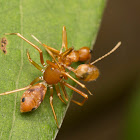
{"x": 21, "y": 66}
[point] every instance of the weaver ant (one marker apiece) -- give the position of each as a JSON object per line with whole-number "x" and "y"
{"x": 55, "y": 72}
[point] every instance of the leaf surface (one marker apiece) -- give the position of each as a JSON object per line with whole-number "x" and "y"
{"x": 44, "y": 19}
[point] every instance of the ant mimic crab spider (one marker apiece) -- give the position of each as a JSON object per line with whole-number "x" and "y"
{"x": 55, "y": 72}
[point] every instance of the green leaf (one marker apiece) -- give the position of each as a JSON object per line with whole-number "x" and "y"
{"x": 44, "y": 19}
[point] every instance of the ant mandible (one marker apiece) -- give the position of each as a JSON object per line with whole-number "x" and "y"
{"x": 55, "y": 72}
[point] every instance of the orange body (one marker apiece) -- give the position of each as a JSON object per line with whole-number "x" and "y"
{"x": 84, "y": 54}
{"x": 52, "y": 75}
{"x": 33, "y": 97}
{"x": 74, "y": 56}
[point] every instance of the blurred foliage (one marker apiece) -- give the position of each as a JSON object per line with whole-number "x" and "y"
{"x": 132, "y": 126}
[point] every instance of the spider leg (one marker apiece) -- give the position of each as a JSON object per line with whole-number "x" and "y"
{"x": 48, "y": 50}
{"x": 36, "y": 47}
{"x": 34, "y": 63}
{"x": 64, "y": 90}
{"x": 54, "y": 51}
{"x": 59, "y": 94}
{"x": 20, "y": 89}
{"x": 78, "y": 91}
{"x": 51, "y": 103}
{"x": 79, "y": 83}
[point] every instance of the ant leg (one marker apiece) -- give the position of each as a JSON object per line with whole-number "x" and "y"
{"x": 70, "y": 68}
{"x": 20, "y": 89}
{"x": 79, "y": 83}
{"x": 67, "y": 52}
{"x": 64, "y": 91}
{"x": 54, "y": 51}
{"x": 64, "y": 40}
{"x": 51, "y": 103}
{"x": 36, "y": 47}
{"x": 78, "y": 91}
{"x": 34, "y": 63}
{"x": 58, "y": 93}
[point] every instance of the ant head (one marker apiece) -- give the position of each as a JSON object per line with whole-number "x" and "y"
{"x": 84, "y": 54}
{"x": 87, "y": 72}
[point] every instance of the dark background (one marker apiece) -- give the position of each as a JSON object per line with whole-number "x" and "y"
{"x": 104, "y": 115}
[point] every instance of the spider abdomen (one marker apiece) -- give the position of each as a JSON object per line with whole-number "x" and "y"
{"x": 33, "y": 97}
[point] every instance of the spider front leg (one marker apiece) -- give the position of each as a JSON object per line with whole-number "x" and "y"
{"x": 20, "y": 89}
{"x": 36, "y": 47}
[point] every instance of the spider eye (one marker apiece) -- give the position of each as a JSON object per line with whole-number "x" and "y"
{"x": 23, "y": 99}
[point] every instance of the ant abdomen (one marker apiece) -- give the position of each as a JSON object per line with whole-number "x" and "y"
{"x": 32, "y": 97}
{"x": 87, "y": 72}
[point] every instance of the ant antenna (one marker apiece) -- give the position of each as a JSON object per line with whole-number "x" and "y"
{"x": 100, "y": 58}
